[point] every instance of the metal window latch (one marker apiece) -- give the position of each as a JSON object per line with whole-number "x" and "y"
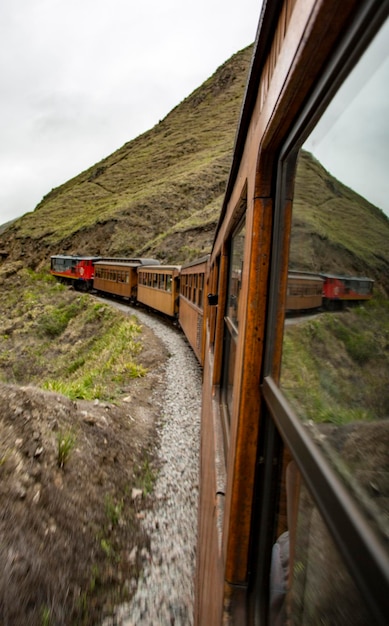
{"x": 212, "y": 299}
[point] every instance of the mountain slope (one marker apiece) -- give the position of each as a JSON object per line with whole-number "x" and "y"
{"x": 165, "y": 176}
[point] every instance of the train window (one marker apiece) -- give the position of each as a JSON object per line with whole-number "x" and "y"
{"x": 317, "y": 595}
{"x": 231, "y": 318}
{"x": 334, "y": 371}
{"x": 201, "y": 288}
{"x": 168, "y": 282}
{"x": 213, "y": 289}
{"x": 338, "y": 385}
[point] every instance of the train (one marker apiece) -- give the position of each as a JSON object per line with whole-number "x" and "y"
{"x": 292, "y": 524}
{"x": 307, "y": 291}
{"x": 168, "y": 288}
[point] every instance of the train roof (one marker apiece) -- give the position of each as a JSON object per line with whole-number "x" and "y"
{"x": 266, "y": 27}
{"x": 345, "y": 277}
{"x": 128, "y": 262}
{"x": 305, "y": 275}
{"x": 203, "y": 259}
{"x": 160, "y": 267}
{"x": 75, "y": 256}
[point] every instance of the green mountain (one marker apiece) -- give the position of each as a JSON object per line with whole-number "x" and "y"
{"x": 160, "y": 193}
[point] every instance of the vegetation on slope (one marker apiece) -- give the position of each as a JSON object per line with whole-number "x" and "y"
{"x": 63, "y": 341}
{"x": 333, "y": 365}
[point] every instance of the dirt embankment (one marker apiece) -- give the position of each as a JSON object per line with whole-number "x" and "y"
{"x": 74, "y": 478}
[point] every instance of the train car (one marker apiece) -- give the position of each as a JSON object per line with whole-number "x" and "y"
{"x": 340, "y": 290}
{"x": 304, "y": 291}
{"x": 76, "y": 270}
{"x": 158, "y": 288}
{"x": 193, "y": 302}
{"x": 119, "y": 276}
{"x": 289, "y": 530}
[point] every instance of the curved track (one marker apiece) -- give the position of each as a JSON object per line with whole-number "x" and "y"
{"x": 165, "y": 592}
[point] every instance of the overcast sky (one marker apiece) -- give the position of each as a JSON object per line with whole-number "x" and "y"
{"x": 79, "y": 78}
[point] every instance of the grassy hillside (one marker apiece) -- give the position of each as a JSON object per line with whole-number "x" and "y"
{"x": 54, "y": 338}
{"x": 335, "y": 366}
{"x": 169, "y": 179}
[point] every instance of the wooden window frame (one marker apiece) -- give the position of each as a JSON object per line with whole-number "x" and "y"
{"x": 358, "y": 545}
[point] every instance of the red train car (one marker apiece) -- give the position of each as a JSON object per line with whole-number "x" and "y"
{"x": 340, "y": 289}
{"x": 76, "y": 270}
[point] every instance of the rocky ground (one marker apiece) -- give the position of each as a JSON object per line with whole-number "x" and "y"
{"x": 164, "y": 592}
{"x": 98, "y": 501}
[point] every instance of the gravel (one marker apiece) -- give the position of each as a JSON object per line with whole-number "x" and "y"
{"x": 165, "y": 592}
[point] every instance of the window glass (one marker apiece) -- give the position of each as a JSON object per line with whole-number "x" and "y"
{"x": 335, "y": 367}
{"x": 306, "y": 561}
{"x": 235, "y": 275}
{"x": 231, "y": 321}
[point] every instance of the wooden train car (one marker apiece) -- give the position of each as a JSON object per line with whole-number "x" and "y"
{"x": 193, "y": 301}
{"x": 304, "y": 291}
{"x": 285, "y": 535}
{"x": 77, "y": 270}
{"x": 119, "y": 276}
{"x": 338, "y": 290}
{"x": 158, "y": 288}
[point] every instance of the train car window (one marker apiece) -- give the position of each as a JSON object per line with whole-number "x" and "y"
{"x": 231, "y": 318}
{"x": 168, "y": 282}
{"x": 201, "y": 289}
{"x": 317, "y": 595}
{"x": 338, "y": 387}
{"x": 213, "y": 289}
{"x": 335, "y": 369}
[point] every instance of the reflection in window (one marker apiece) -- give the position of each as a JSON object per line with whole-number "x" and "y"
{"x": 306, "y": 561}
{"x": 231, "y": 318}
{"x": 335, "y": 369}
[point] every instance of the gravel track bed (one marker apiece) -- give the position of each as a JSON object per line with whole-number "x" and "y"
{"x": 165, "y": 591}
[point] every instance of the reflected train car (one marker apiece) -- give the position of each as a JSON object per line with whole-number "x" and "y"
{"x": 193, "y": 302}
{"x": 340, "y": 290}
{"x": 75, "y": 270}
{"x": 119, "y": 276}
{"x": 158, "y": 288}
{"x": 304, "y": 291}
{"x": 286, "y": 535}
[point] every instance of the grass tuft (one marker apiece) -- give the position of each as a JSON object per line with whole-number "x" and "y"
{"x": 65, "y": 445}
